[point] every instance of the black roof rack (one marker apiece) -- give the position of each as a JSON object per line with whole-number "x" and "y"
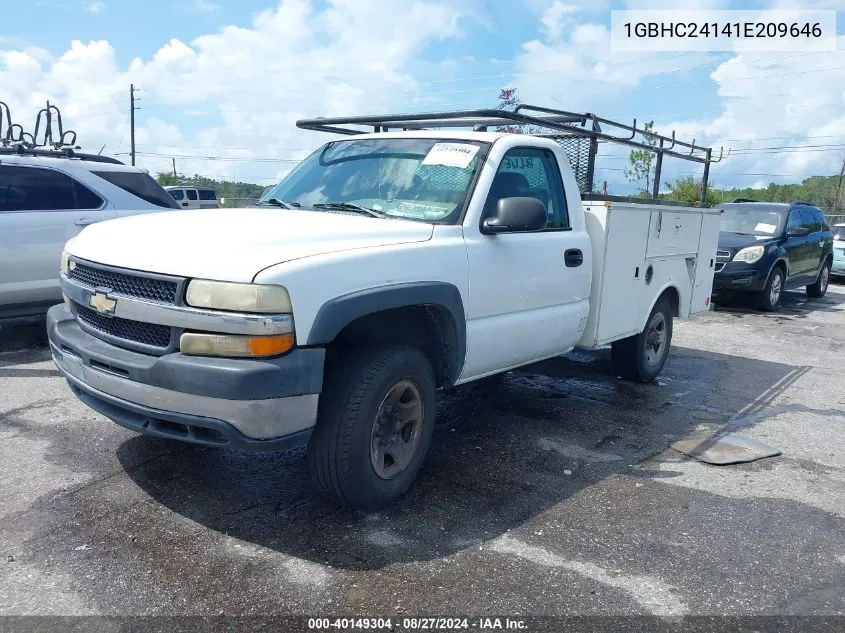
{"x": 49, "y": 139}
{"x": 743, "y": 200}
{"x": 546, "y": 122}
{"x": 20, "y": 150}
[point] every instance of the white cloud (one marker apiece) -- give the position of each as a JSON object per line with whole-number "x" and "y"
{"x": 795, "y": 96}
{"x": 237, "y": 92}
{"x": 95, "y": 7}
{"x": 253, "y": 83}
{"x": 555, "y": 17}
{"x": 782, "y": 100}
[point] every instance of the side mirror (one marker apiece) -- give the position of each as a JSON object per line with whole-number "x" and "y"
{"x": 516, "y": 215}
{"x": 798, "y": 231}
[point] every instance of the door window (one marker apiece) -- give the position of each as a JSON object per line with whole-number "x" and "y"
{"x": 177, "y": 194}
{"x": 809, "y": 220}
{"x": 794, "y": 220}
{"x": 37, "y": 189}
{"x": 823, "y": 223}
{"x": 533, "y": 173}
{"x": 191, "y": 193}
{"x": 207, "y": 194}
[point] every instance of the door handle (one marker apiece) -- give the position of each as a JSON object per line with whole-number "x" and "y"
{"x": 184, "y": 204}
{"x": 85, "y": 221}
{"x": 573, "y": 257}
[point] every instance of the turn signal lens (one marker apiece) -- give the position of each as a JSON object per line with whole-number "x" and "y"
{"x": 63, "y": 263}
{"x": 195, "y": 344}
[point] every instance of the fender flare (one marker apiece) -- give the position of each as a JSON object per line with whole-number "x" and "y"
{"x": 337, "y": 313}
{"x": 669, "y": 285}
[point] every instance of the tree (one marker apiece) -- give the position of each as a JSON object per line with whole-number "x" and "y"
{"x": 167, "y": 179}
{"x": 642, "y": 161}
{"x": 688, "y": 189}
{"x": 509, "y": 100}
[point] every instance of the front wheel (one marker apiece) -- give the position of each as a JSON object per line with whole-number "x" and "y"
{"x": 641, "y": 357}
{"x": 374, "y": 427}
{"x": 819, "y": 289}
{"x": 769, "y": 298}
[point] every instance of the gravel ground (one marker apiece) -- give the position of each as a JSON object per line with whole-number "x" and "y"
{"x": 548, "y": 491}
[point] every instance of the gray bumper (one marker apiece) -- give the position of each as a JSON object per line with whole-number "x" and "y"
{"x": 251, "y": 404}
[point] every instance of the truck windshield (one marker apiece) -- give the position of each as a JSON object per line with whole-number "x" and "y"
{"x": 762, "y": 222}
{"x": 413, "y": 178}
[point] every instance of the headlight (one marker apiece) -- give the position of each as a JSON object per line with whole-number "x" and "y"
{"x": 750, "y": 255}
{"x": 63, "y": 263}
{"x": 224, "y": 295}
{"x": 195, "y": 344}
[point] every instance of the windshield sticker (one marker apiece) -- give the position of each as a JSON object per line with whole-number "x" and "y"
{"x": 451, "y": 154}
{"x": 765, "y": 228}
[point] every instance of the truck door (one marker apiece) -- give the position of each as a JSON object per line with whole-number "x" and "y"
{"x": 528, "y": 291}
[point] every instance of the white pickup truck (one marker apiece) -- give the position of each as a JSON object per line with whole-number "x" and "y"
{"x": 384, "y": 267}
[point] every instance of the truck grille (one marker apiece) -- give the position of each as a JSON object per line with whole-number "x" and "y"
{"x": 160, "y": 290}
{"x": 134, "y": 331}
{"x": 722, "y": 258}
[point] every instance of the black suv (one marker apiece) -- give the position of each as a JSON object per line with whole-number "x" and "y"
{"x": 768, "y": 247}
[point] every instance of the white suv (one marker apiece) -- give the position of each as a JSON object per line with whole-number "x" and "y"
{"x": 48, "y": 197}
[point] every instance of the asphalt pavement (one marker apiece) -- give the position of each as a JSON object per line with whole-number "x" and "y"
{"x": 548, "y": 491}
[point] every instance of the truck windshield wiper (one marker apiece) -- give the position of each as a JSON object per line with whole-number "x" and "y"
{"x": 349, "y": 206}
{"x": 275, "y": 202}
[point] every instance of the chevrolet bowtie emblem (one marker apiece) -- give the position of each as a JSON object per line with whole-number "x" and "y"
{"x": 101, "y": 303}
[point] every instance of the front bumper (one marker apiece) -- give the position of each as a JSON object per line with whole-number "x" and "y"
{"x": 838, "y": 267}
{"x": 268, "y": 404}
{"x": 741, "y": 280}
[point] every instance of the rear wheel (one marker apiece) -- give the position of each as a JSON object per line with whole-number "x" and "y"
{"x": 374, "y": 426}
{"x": 769, "y": 297}
{"x": 819, "y": 289}
{"x": 641, "y": 357}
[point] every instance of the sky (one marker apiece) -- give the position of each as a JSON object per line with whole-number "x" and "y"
{"x": 222, "y": 82}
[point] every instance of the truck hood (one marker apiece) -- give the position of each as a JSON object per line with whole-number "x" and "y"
{"x": 234, "y": 244}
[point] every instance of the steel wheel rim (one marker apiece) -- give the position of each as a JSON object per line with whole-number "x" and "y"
{"x": 397, "y": 429}
{"x": 774, "y": 292}
{"x": 655, "y": 339}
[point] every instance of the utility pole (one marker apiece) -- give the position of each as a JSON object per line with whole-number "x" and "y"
{"x": 174, "y": 167}
{"x": 132, "y": 120}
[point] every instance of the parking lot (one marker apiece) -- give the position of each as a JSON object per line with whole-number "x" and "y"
{"x": 550, "y": 490}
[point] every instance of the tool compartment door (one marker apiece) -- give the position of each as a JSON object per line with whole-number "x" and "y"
{"x": 674, "y": 232}
{"x": 705, "y": 263}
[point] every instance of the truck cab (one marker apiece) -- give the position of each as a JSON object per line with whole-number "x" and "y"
{"x": 382, "y": 268}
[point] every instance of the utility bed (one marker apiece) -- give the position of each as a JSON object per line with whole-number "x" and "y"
{"x": 639, "y": 250}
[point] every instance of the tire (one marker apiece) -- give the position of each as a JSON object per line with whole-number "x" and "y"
{"x": 769, "y": 298}
{"x": 635, "y": 358}
{"x": 819, "y": 289}
{"x": 343, "y": 455}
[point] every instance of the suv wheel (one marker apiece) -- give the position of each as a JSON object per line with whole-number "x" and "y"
{"x": 769, "y": 297}
{"x": 818, "y": 289}
{"x": 375, "y": 422}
